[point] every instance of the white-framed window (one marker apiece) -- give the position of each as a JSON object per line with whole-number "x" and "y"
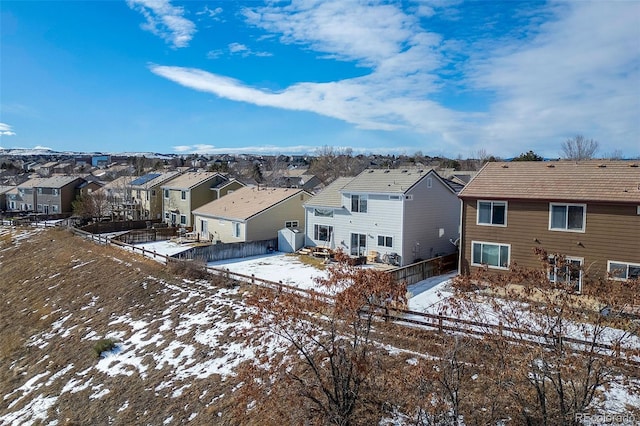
{"x": 54, "y": 208}
{"x": 204, "y": 227}
{"x": 568, "y": 271}
{"x": 166, "y": 193}
{"x": 622, "y": 271}
{"x": 567, "y": 217}
{"x": 174, "y": 218}
{"x": 291, "y": 224}
{"x": 494, "y": 255}
{"x": 384, "y": 241}
{"x": 236, "y": 229}
{"x": 39, "y": 190}
{"x": 395, "y": 197}
{"x": 492, "y": 213}
{"x": 322, "y": 232}
{"x": 183, "y": 195}
{"x": 183, "y": 219}
{"x": 39, "y": 208}
{"x": 359, "y": 203}
{"x": 54, "y": 191}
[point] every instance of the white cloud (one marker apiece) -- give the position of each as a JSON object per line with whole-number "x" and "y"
{"x": 244, "y": 51}
{"x": 165, "y": 21}
{"x": 573, "y": 73}
{"x": 578, "y": 75}
{"x": 210, "y": 13}
{"x": 6, "y": 130}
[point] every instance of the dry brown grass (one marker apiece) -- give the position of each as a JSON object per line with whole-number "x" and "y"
{"x": 53, "y": 275}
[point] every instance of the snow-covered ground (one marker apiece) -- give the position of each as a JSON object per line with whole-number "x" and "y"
{"x": 288, "y": 269}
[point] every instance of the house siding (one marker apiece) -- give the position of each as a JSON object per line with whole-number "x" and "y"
{"x": 266, "y": 225}
{"x": 612, "y": 232}
{"x": 430, "y": 211}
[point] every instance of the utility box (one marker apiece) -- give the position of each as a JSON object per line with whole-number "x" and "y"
{"x": 290, "y": 240}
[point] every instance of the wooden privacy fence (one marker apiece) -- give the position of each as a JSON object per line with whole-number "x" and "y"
{"x": 117, "y": 226}
{"x": 419, "y": 271}
{"x": 223, "y": 251}
{"x": 436, "y": 322}
{"x": 147, "y": 235}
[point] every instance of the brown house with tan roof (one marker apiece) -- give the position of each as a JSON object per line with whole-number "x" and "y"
{"x": 587, "y": 211}
{"x": 251, "y": 214}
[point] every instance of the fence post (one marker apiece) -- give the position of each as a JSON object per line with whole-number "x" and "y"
{"x": 253, "y": 279}
{"x": 440, "y": 324}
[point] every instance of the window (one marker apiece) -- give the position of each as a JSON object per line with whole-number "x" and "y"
{"x": 39, "y": 208}
{"x": 54, "y": 208}
{"x": 54, "y": 191}
{"x": 291, "y": 224}
{"x": 236, "y": 229}
{"x": 490, "y": 254}
{"x": 39, "y": 190}
{"x": 166, "y": 193}
{"x": 323, "y": 212}
{"x": 567, "y": 217}
{"x": 623, "y": 271}
{"x": 153, "y": 193}
{"x": 395, "y": 197}
{"x": 492, "y": 213}
{"x": 358, "y": 244}
{"x": 429, "y": 182}
{"x": 359, "y": 203}
{"x": 183, "y": 195}
{"x": 183, "y": 219}
{"x": 204, "y": 227}
{"x": 385, "y": 241}
{"x": 322, "y": 232}
{"x": 567, "y": 271}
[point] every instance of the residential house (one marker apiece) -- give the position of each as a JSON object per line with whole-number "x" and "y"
{"x": 251, "y": 214}
{"x": 23, "y": 197}
{"x": 398, "y": 215}
{"x": 4, "y": 189}
{"x": 294, "y": 178}
{"x": 147, "y": 193}
{"x": 190, "y": 190}
{"x": 56, "y": 194}
{"x": 588, "y": 212}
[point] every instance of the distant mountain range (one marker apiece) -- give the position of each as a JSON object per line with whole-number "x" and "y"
{"x": 50, "y": 152}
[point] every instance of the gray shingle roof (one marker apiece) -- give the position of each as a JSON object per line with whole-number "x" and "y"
{"x": 595, "y": 180}
{"x": 330, "y": 196}
{"x": 386, "y": 180}
{"x": 246, "y": 202}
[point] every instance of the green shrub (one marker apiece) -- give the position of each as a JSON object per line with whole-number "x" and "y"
{"x": 103, "y": 345}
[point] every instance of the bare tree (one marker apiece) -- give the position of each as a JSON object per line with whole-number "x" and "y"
{"x": 550, "y": 378}
{"x": 579, "y": 148}
{"x": 331, "y": 339}
{"x": 93, "y": 205}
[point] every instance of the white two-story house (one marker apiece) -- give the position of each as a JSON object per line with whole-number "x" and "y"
{"x": 399, "y": 215}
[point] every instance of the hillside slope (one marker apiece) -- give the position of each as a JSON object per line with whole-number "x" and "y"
{"x": 176, "y": 345}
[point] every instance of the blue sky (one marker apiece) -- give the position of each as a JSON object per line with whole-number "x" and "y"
{"x": 441, "y": 77}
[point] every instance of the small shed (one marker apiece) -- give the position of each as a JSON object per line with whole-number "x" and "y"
{"x": 290, "y": 240}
